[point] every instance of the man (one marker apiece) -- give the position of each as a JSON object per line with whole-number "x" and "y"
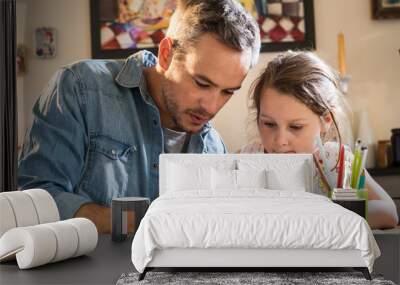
{"x": 100, "y": 126}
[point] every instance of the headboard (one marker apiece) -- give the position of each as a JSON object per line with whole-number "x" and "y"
{"x": 285, "y": 164}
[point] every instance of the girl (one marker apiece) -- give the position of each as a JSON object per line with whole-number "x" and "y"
{"x": 297, "y": 104}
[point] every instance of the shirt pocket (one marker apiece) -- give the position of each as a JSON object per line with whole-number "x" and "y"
{"x": 108, "y": 167}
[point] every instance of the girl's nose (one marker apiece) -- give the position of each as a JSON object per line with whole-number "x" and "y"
{"x": 281, "y": 139}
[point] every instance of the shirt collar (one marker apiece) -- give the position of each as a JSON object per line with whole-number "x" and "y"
{"x": 131, "y": 73}
{"x": 206, "y": 128}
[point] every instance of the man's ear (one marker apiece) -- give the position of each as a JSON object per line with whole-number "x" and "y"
{"x": 165, "y": 53}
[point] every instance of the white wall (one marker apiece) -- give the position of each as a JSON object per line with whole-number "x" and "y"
{"x": 372, "y": 57}
{"x": 71, "y": 19}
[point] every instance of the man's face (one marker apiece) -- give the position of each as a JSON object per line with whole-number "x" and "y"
{"x": 198, "y": 84}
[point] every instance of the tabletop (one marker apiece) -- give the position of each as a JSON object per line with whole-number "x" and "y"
{"x": 104, "y": 265}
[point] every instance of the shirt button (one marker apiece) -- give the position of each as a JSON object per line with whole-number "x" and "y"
{"x": 113, "y": 151}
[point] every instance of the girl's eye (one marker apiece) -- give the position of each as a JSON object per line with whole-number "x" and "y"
{"x": 201, "y": 85}
{"x": 269, "y": 125}
{"x": 296, "y": 128}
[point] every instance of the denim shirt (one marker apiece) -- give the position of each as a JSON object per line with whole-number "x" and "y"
{"x": 97, "y": 135}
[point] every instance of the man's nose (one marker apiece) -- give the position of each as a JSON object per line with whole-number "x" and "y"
{"x": 210, "y": 103}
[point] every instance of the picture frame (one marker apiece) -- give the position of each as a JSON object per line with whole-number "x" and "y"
{"x": 385, "y": 9}
{"x": 21, "y": 60}
{"x": 283, "y": 24}
{"x": 45, "y": 42}
{"x": 120, "y": 28}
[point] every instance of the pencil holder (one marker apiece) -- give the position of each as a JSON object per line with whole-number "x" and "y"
{"x": 363, "y": 194}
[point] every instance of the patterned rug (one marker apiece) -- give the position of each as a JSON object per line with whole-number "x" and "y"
{"x": 270, "y": 278}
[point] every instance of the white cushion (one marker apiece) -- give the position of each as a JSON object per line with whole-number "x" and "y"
{"x": 293, "y": 180}
{"x": 34, "y": 244}
{"x": 251, "y": 178}
{"x": 31, "y": 246}
{"x": 67, "y": 238}
{"x": 26, "y": 208}
{"x": 226, "y": 179}
{"x": 23, "y": 208}
{"x": 283, "y": 172}
{"x": 7, "y": 217}
{"x": 188, "y": 177}
{"x": 170, "y": 175}
{"x": 87, "y": 234}
{"x": 45, "y": 205}
{"x": 223, "y": 179}
{"x": 40, "y": 244}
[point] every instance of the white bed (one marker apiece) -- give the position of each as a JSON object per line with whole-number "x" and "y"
{"x": 247, "y": 211}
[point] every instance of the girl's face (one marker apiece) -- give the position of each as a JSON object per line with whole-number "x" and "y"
{"x": 286, "y": 125}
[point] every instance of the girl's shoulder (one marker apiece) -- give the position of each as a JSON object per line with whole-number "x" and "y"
{"x": 254, "y": 147}
{"x": 332, "y": 150}
{"x": 329, "y": 160}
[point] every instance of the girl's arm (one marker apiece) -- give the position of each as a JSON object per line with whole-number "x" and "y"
{"x": 382, "y": 211}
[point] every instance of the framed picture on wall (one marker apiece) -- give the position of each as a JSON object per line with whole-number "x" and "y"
{"x": 385, "y": 9}
{"x": 122, "y": 27}
{"x": 284, "y": 24}
{"x": 45, "y": 42}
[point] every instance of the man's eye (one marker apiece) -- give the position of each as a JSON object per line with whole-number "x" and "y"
{"x": 202, "y": 85}
{"x": 296, "y": 128}
{"x": 228, "y": 92}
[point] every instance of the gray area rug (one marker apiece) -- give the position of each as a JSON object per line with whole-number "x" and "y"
{"x": 225, "y": 278}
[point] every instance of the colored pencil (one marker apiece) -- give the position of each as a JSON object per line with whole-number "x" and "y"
{"x": 325, "y": 167}
{"x": 356, "y": 161}
{"x": 361, "y": 185}
{"x": 322, "y": 175}
{"x": 339, "y": 183}
{"x": 364, "y": 153}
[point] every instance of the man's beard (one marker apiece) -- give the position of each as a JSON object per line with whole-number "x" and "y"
{"x": 175, "y": 114}
{"x": 172, "y": 109}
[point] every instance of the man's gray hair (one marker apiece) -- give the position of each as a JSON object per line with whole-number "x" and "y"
{"x": 226, "y": 19}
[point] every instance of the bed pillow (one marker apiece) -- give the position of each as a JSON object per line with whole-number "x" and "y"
{"x": 223, "y": 179}
{"x": 188, "y": 177}
{"x": 251, "y": 178}
{"x": 293, "y": 179}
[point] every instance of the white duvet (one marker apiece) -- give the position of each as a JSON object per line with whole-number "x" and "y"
{"x": 252, "y": 218}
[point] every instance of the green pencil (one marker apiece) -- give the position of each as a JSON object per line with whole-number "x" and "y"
{"x": 356, "y": 162}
